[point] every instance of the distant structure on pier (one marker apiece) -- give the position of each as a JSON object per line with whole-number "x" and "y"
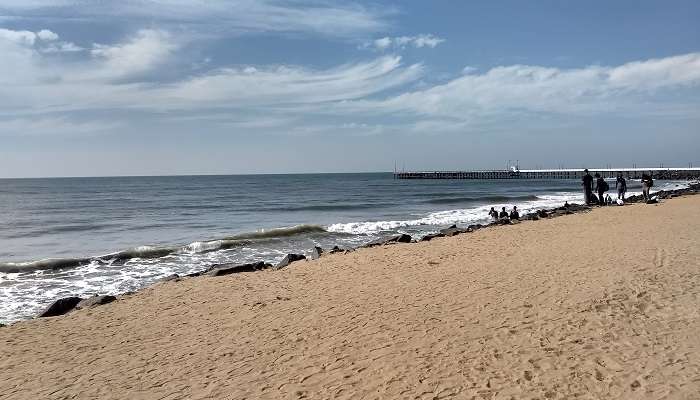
{"x": 569, "y": 173}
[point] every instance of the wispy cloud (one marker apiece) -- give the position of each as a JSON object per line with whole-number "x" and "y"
{"x": 524, "y": 88}
{"x": 328, "y": 17}
{"x": 379, "y": 93}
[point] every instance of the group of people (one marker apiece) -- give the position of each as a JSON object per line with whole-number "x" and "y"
{"x": 601, "y": 186}
{"x": 495, "y": 215}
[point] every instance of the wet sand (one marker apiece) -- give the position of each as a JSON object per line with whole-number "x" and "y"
{"x": 603, "y": 305}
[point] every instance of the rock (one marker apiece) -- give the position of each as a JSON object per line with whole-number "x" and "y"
{"x": 474, "y": 227}
{"x": 542, "y": 213}
{"x": 227, "y": 269}
{"x": 173, "y": 277}
{"x": 403, "y": 238}
{"x": 452, "y": 231}
{"x": 316, "y": 253}
{"x": 94, "y": 301}
{"x": 336, "y": 249}
{"x": 288, "y": 259}
{"x": 431, "y": 236}
{"x": 652, "y": 201}
{"x": 61, "y": 306}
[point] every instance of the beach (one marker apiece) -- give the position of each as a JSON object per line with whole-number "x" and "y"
{"x": 597, "y": 305}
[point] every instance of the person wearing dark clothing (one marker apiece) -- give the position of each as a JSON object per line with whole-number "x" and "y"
{"x": 493, "y": 213}
{"x": 515, "y": 214}
{"x": 621, "y": 186}
{"x": 587, "y": 186}
{"x": 601, "y": 187}
{"x": 503, "y": 214}
{"x": 647, "y": 183}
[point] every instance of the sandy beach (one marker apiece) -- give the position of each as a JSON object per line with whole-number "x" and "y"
{"x": 602, "y": 305}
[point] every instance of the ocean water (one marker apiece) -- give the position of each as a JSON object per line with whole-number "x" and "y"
{"x": 84, "y": 236}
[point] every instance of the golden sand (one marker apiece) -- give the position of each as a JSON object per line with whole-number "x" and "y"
{"x": 603, "y": 305}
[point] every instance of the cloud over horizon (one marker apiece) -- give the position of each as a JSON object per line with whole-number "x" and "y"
{"x": 322, "y": 68}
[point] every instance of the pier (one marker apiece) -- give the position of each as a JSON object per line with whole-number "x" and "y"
{"x": 569, "y": 173}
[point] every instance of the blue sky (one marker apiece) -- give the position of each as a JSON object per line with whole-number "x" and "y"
{"x": 143, "y": 87}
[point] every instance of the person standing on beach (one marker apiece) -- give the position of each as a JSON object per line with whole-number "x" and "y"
{"x": 587, "y": 186}
{"x": 621, "y": 186}
{"x": 601, "y": 188}
{"x": 647, "y": 183}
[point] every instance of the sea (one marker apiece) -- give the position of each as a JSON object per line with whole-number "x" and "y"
{"x": 82, "y": 236}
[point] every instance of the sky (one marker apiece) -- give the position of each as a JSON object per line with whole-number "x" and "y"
{"x": 169, "y": 87}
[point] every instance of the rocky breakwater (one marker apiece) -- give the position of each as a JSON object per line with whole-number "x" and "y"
{"x": 68, "y": 304}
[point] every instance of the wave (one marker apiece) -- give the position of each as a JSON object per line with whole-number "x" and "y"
{"x": 453, "y": 200}
{"x": 146, "y": 252}
{"x": 279, "y": 232}
{"x": 476, "y": 214}
{"x": 46, "y": 264}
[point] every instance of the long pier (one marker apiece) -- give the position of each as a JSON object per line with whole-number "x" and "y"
{"x": 570, "y": 173}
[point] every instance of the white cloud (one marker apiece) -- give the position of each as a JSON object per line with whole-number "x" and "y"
{"x": 329, "y": 17}
{"x": 525, "y": 88}
{"x": 44, "y": 41}
{"x": 25, "y": 38}
{"x": 401, "y": 42}
{"x": 47, "y": 35}
{"x": 146, "y": 50}
{"x": 119, "y": 76}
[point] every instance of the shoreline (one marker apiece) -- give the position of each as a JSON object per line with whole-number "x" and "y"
{"x": 563, "y": 307}
{"x": 64, "y": 305}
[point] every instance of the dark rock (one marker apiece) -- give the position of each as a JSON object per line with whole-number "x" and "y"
{"x": 94, "y": 301}
{"x": 61, "y": 306}
{"x": 474, "y": 227}
{"x": 173, "y": 277}
{"x": 227, "y": 269}
{"x": 652, "y": 201}
{"x": 403, "y": 238}
{"x": 452, "y": 231}
{"x": 288, "y": 259}
{"x": 316, "y": 253}
{"x": 542, "y": 213}
{"x": 336, "y": 249}
{"x": 431, "y": 236}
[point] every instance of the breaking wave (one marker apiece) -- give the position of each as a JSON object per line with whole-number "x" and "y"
{"x": 146, "y": 252}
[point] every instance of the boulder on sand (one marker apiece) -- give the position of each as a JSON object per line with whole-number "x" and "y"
{"x": 95, "y": 301}
{"x": 60, "y": 306}
{"x": 431, "y": 236}
{"x": 227, "y": 269}
{"x": 316, "y": 253}
{"x": 288, "y": 259}
{"x": 452, "y": 231}
{"x": 403, "y": 238}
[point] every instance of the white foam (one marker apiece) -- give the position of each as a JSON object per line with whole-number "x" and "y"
{"x": 470, "y": 215}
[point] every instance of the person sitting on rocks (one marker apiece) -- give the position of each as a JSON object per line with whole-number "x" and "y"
{"x": 503, "y": 214}
{"x": 515, "y": 214}
{"x": 493, "y": 214}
